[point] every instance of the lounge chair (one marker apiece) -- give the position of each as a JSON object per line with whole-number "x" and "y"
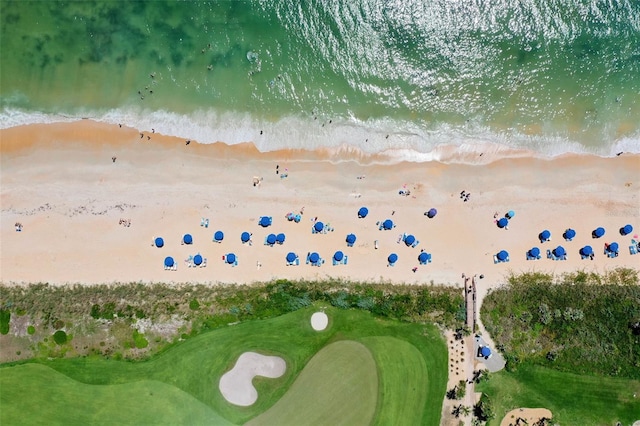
{"x": 204, "y": 262}
{"x": 345, "y": 259}
{"x": 308, "y": 255}
{"x": 495, "y": 259}
{"x": 349, "y": 244}
{"x": 415, "y": 244}
{"x": 634, "y": 248}
{"x": 550, "y": 255}
{"x": 296, "y": 262}
{"x": 335, "y": 262}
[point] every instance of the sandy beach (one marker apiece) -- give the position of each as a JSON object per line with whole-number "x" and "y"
{"x": 60, "y": 182}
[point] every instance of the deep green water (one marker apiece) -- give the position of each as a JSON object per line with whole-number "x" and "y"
{"x": 548, "y": 75}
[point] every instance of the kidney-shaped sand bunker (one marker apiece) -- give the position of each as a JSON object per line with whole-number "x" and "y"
{"x": 236, "y": 384}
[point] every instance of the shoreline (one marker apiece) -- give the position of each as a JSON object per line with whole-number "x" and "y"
{"x": 364, "y": 142}
{"x": 59, "y": 181}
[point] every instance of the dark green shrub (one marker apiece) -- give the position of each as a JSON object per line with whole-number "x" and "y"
{"x": 5, "y": 318}
{"x": 194, "y": 305}
{"x": 60, "y": 337}
{"x": 31, "y": 330}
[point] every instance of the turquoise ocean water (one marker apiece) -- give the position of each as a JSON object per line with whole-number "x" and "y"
{"x": 409, "y": 76}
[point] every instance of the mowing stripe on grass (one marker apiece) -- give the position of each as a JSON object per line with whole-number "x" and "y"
{"x": 35, "y": 394}
{"x": 338, "y": 386}
{"x": 402, "y": 391}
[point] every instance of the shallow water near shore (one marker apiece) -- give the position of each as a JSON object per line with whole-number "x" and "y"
{"x": 408, "y": 77}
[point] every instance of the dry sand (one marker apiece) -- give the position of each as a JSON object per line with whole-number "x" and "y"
{"x": 60, "y": 182}
{"x": 528, "y": 415}
{"x": 236, "y": 384}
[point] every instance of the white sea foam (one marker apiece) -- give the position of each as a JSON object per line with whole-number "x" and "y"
{"x": 348, "y": 138}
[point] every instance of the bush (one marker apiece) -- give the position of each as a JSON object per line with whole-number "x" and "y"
{"x": 194, "y": 305}
{"x": 60, "y": 337}
{"x": 139, "y": 340}
{"x": 31, "y": 330}
{"x": 5, "y": 318}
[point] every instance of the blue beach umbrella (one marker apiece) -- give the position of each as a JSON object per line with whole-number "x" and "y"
{"x": 534, "y": 252}
{"x": 409, "y": 240}
{"x": 314, "y": 257}
{"x": 393, "y": 258}
{"x": 613, "y": 247}
{"x": 544, "y": 235}
{"x": 569, "y": 234}
{"x": 502, "y": 255}
{"x": 387, "y": 224}
{"x": 503, "y": 222}
{"x": 625, "y": 230}
{"x": 319, "y": 226}
{"x": 363, "y": 212}
{"x": 559, "y": 251}
{"x": 423, "y": 257}
{"x": 168, "y": 261}
{"x": 218, "y": 236}
{"x": 432, "y": 213}
{"x": 264, "y": 221}
{"x": 291, "y": 256}
{"x": 297, "y": 218}
{"x": 197, "y": 259}
{"x": 245, "y": 236}
{"x": 271, "y": 239}
{"x": 187, "y": 239}
{"x": 598, "y": 232}
{"x": 338, "y": 256}
{"x": 485, "y": 351}
{"x": 351, "y": 238}
{"x": 231, "y": 258}
{"x": 159, "y": 242}
{"x": 586, "y": 251}
{"x": 280, "y": 238}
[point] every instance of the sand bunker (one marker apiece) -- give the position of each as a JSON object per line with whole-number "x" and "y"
{"x": 319, "y": 321}
{"x": 236, "y": 384}
{"x": 531, "y": 415}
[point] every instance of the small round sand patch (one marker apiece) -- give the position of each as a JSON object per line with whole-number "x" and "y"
{"x": 319, "y": 321}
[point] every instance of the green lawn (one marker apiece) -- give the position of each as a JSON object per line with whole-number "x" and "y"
{"x": 193, "y": 367}
{"x": 35, "y": 394}
{"x": 404, "y": 383}
{"x": 573, "y": 399}
{"x": 338, "y": 386}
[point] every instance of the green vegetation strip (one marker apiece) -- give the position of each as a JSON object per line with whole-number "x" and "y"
{"x": 573, "y": 399}
{"x": 195, "y": 366}
{"x": 35, "y": 394}
{"x": 338, "y": 386}
{"x": 579, "y": 322}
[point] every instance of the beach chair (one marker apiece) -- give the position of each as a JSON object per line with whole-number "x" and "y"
{"x": 634, "y": 247}
{"x": 550, "y": 255}
{"x": 495, "y": 259}
{"x": 308, "y": 255}
{"x": 175, "y": 266}
{"x": 584, "y": 256}
{"x": 345, "y": 259}
{"x": 297, "y": 261}
{"x": 349, "y": 244}
{"x": 313, "y": 230}
{"x": 335, "y": 262}
{"x": 204, "y": 262}
{"x": 202, "y": 220}
{"x": 415, "y": 244}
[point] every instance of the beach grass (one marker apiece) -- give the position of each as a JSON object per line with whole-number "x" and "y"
{"x": 195, "y": 365}
{"x": 338, "y": 386}
{"x": 573, "y": 399}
